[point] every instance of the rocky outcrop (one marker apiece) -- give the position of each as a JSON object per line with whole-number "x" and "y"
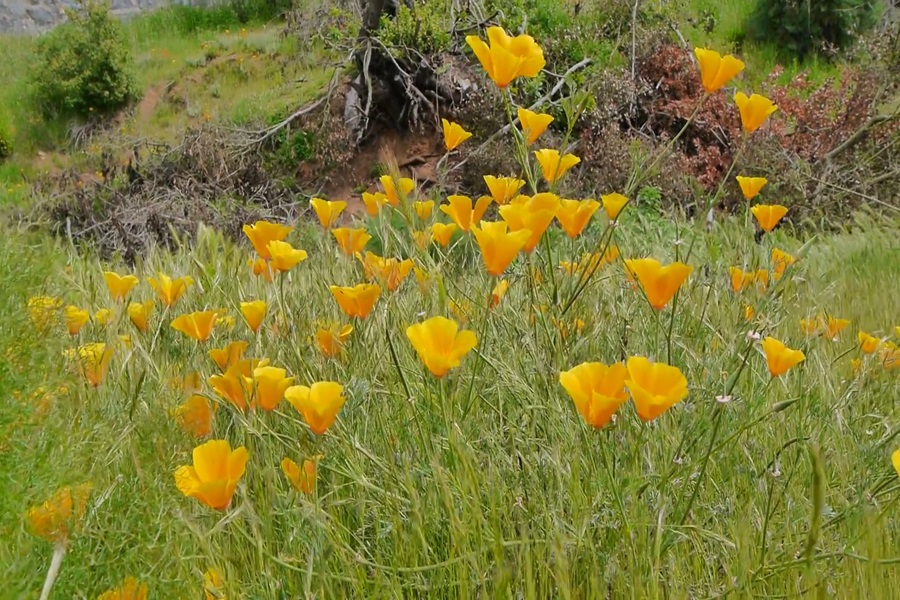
{"x": 33, "y": 16}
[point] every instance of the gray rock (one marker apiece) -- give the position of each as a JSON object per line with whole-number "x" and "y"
{"x": 40, "y": 15}
{"x": 43, "y": 16}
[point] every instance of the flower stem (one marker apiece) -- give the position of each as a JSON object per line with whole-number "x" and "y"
{"x": 59, "y": 552}
{"x": 589, "y": 270}
{"x": 717, "y": 420}
{"x": 482, "y": 347}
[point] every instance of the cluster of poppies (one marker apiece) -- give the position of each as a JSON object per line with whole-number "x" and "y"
{"x": 526, "y": 206}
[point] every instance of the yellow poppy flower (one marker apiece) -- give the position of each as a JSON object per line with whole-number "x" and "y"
{"x": 613, "y": 205}
{"x": 780, "y": 261}
{"x": 574, "y": 215}
{"x": 755, "y": 110}
{"x": 533, "y": 124}
{"x": 424, "y": 209}
{"x": 267, "y": 386}
{"x": 229, "y": 355}
{"x": 895, "y": 459}
{"x": 232, "y": 385}
{"x": 889, "y": 356}
{"x": 654, "y": 387}
{"x": 498, "y": 292}
{"x": 397, "y": 190}
{"x": 503, "y": 189}
{"x": 130, "y": 589}
{"x": 531, "y": 214}
{"x": 554, "y": 166}
{"x": 498, "y": 246}
{"x": 356, "y": 301}
{"x": 331, "y": 340}
{"x": 751, "y": 186}
{"x": 768, "y": 215}
{"x": 350, "y": 240}
{"x": 460, "y": 209}
{"x": 374, "y": 202}
{"x": 56, "y": 519}
{"x": 567, "y": 328}
{"x": 254, "y": 313}
{"x": 195, "y": 415}
{"x": 303, "y": 479}
{"x": 260, "y": 266}
{"x": 391, "y": 272}
{"x": 598, "y": 390}
{"x": 119, "y": 285}
{"x": 507, "y": 58}
{"x": 139, "y": 314}
{"x": 658, "y": 282}
{"x": 170, "y": 290}
{"x": 214, "y": 476}
{"x": 186, "y": 384}
{"x": 284, "y": 256}
{"x": 319, "y": 404}
{"x": 93, "y": 362}
{"x": 716, "y": 70}
{"x": 104, "y": 317}
{"x": 440, "y": 344}
{"x": 811, "y": 326}
{"x": 740, "y": 280}
{"x": 328, "y": 212}
{"x": 197, "y": 325}
{"x": 75, "y": 318}
{"x": 213, "y": 585}
{"x": 454, "y": 134}
{"x": 779, "y": 358}
{"x": 868, "y": 343}
{"x": 833, "y": 327}
{"x": 262, "y": 233}
{"x": 442, "y": 232}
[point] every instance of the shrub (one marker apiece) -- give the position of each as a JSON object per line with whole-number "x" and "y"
{"x": 259, "y": 10}
{"x": 85, "y": 65}
{"x": 6, "y": 137}
{"x": 424, "y": 27}
{"x": 798, "y": 27}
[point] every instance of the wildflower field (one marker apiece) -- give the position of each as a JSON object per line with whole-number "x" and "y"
{"x": 517, "y": 395}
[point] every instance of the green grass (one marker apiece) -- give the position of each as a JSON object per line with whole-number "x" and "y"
{"x": 262, "y": 75}
{"x": 486, "y": 483}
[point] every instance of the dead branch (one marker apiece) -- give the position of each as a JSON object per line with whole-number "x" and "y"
{"x": 860, "y": 134}
{"x": 260, "y": 137}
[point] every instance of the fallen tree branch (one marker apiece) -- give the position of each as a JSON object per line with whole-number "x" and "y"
{"x": 537, "y": 104}
{"x": 860, "y": 134}
{"x": 262, "y": 136}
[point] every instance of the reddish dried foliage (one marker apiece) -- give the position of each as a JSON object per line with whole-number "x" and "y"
{"x": 811, "y": 120}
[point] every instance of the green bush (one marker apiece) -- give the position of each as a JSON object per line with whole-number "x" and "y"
{"x": 84, "y": 66}
{"x": 799, "y": 27}
{"x": 6, "y": 137}
{"x": 425, "y": 28}
{"x": 259, "y": 10}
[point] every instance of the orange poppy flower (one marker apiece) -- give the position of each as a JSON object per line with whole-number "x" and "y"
{"x": 319, "y": 404}
{"x": 658, "y": 282}
{"x": 214, "y": 476}
{"x": 356, "y": 301}
{"x": 262, "y": 233}
{"x": 197, "y": 325}
{"x": 598, "y": 390}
